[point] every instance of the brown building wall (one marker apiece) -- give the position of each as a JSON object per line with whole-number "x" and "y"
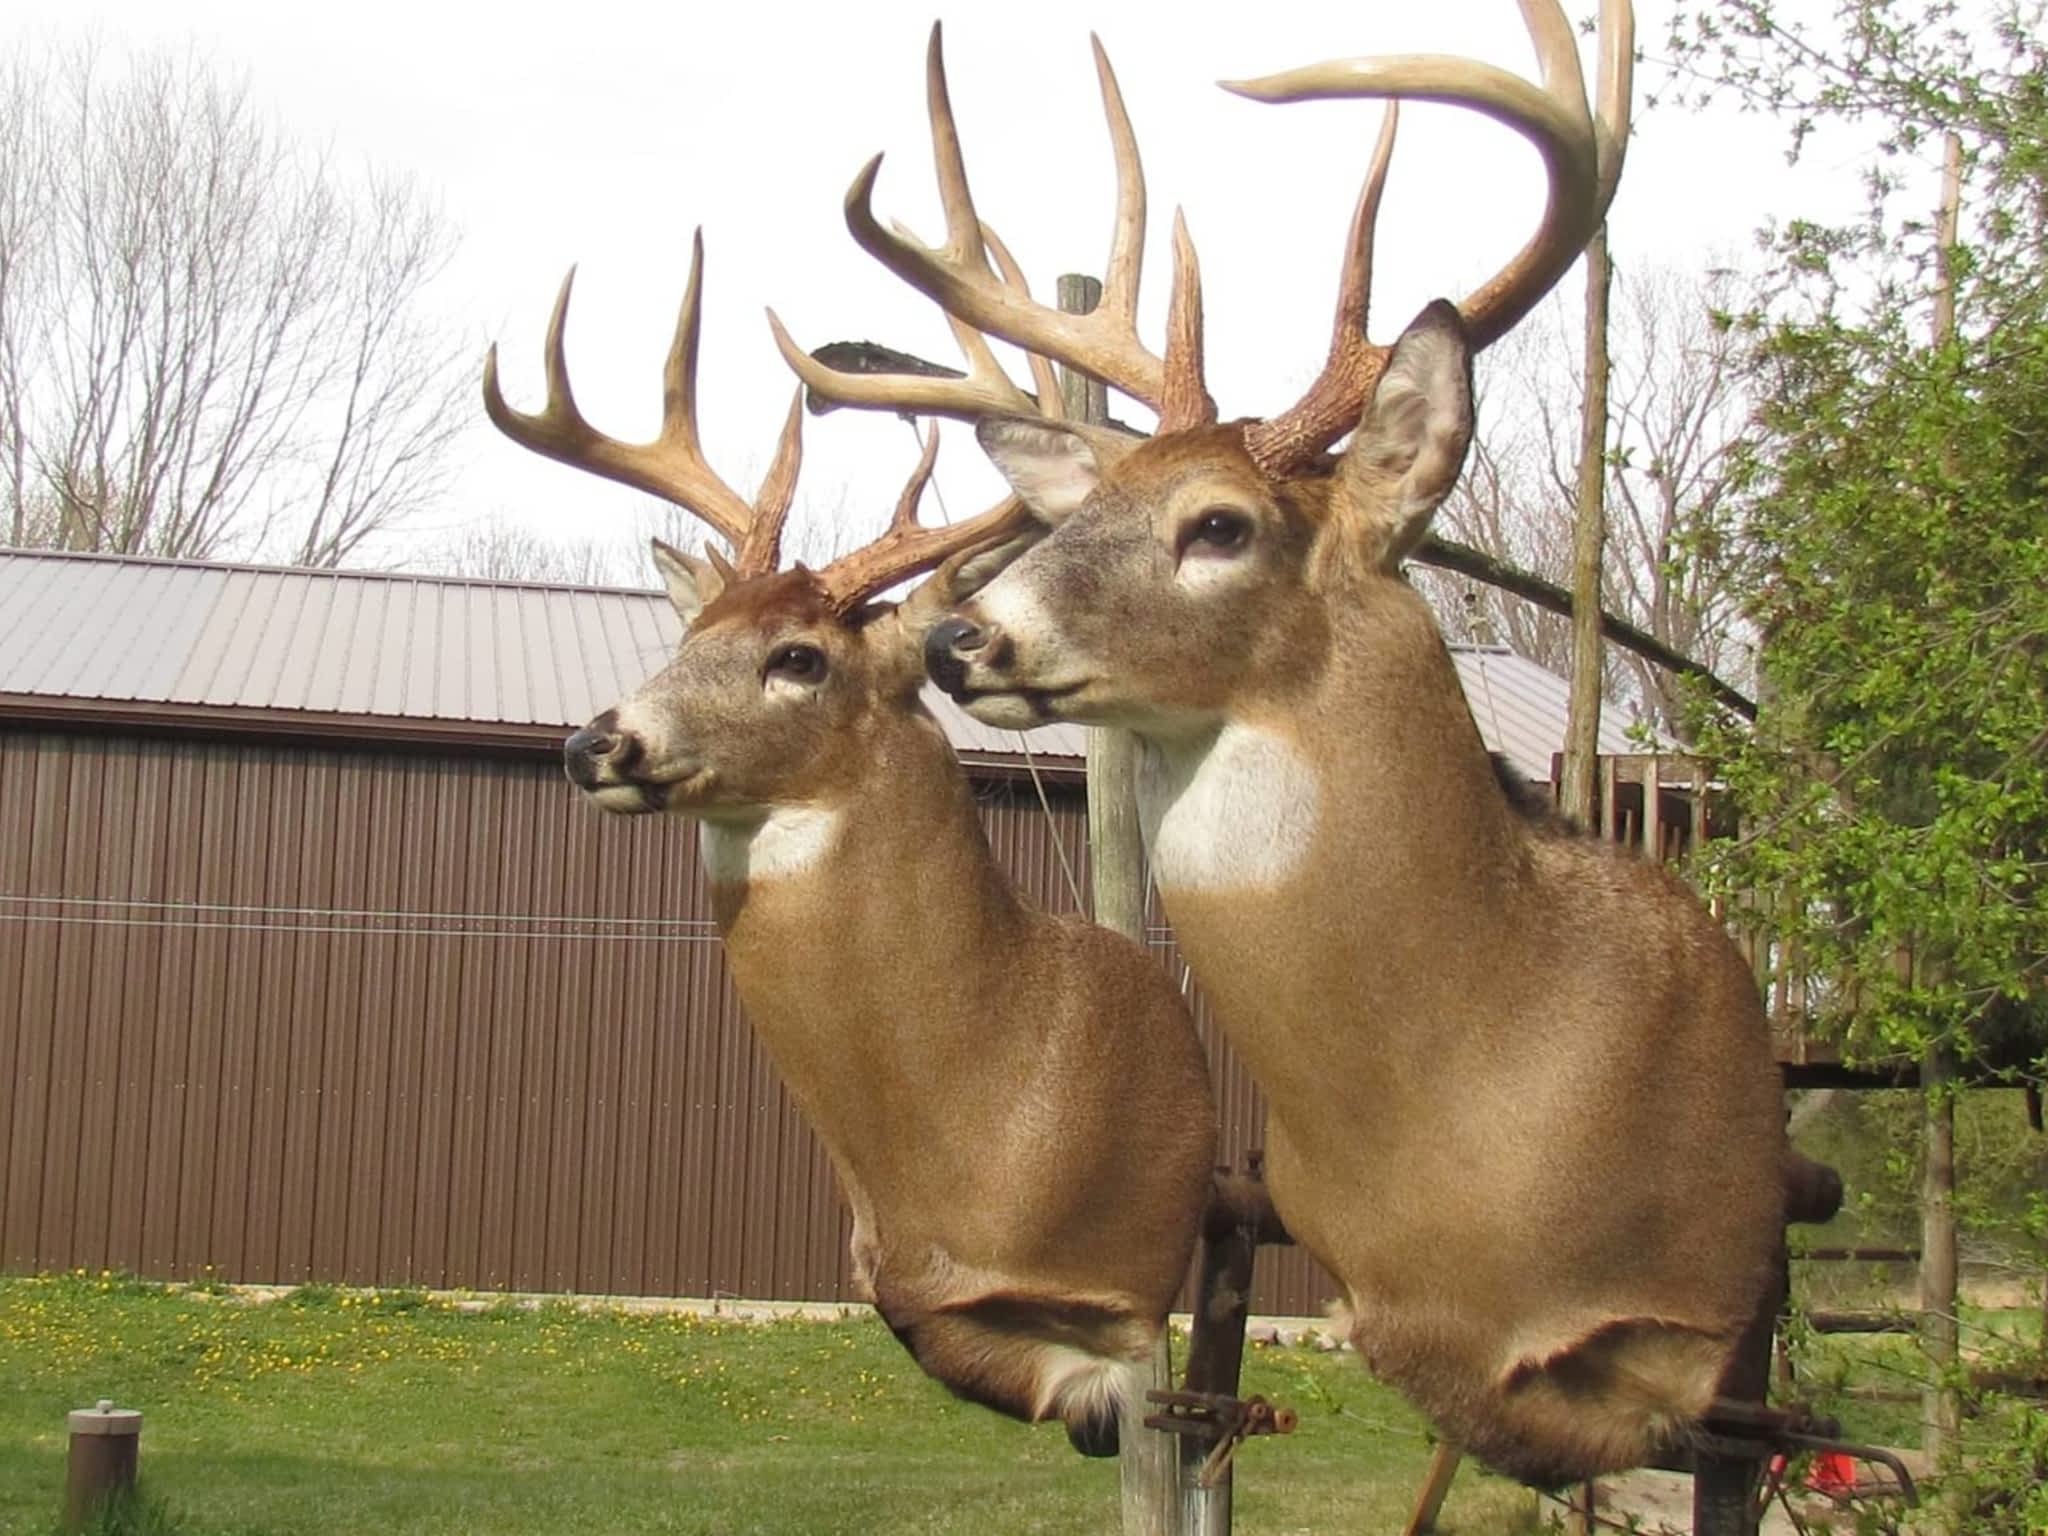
{"x": 288, "y": 1013}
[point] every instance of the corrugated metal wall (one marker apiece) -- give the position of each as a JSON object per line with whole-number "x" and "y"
{"x": 288, "y": 1014}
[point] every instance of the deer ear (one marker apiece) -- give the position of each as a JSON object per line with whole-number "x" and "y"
{"x": 1053, "y": 466}
{"x": 692, "y": 584}
{"x": 1407, "y": 452}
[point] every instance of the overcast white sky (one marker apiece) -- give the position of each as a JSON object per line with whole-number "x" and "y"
{"x": 601, "y": 133}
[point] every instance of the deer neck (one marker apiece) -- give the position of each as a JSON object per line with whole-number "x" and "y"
{"x": 1301, "y": 846}
{"x": 863, "y": 929}
{"x": 1376, "y": 753}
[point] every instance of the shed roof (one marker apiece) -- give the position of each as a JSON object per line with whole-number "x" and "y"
{"x": 511, "y": 661}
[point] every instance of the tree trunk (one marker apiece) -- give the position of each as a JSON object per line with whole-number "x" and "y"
{"x": 1582, "y": 730}
{"x": 1941, "y": 1410}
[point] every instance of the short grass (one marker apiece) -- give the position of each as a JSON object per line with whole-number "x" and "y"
{"x": 351, "y": 1412}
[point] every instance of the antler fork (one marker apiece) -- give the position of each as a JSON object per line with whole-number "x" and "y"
{"x": 672, "y": 466}
{"x": 1103, "y": 343}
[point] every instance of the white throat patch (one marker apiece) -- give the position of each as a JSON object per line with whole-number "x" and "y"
{"x": 1240, "y": 810}
{"x": 784, "y": 842}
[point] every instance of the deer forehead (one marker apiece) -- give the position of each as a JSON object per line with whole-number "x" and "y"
{"x": 1171, "y": 475}
{"x": 1236, "y": 810}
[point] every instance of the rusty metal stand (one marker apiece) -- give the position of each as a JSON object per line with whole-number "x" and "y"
{"x": 1741, "y": 1432}
{"x": 1725, "y": 1473}
{"x": 1207, "y": 1418}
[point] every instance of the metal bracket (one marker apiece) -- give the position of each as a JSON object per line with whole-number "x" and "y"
{"x": 1226, "y": 1422}
{"x": 1755, "y": 1432}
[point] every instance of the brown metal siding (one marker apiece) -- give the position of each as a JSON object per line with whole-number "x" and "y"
{"x": 288, "y": 1014}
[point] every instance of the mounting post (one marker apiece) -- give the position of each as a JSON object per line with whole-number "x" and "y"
{"x": 1116, "y": 860}
{"x": 1241, "y": 1216}
{"x": 1724, "y": 1487}
{"x": 105, "y": 1444}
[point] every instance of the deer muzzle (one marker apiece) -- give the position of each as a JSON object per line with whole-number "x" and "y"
{"x": 956, "y": 643}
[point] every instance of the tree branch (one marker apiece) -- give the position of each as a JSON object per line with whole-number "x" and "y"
{"x": 1446, "y": 554}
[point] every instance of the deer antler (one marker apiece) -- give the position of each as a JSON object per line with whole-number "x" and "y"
{"x": 672, "y": 466}
{"x": 1581, "y": 153}
{"x": 978, "y": 299}
{"x": 909, "y": 548}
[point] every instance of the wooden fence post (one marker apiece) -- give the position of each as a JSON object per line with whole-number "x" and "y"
{"x": 105, "y": 1442}
{"x": 1117, "y": 889}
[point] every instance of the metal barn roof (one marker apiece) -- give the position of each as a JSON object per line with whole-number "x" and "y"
{"x": 516, "y": 662}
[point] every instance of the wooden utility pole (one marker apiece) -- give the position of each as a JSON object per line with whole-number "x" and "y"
{"x": 1582, "y": 728}
{"x": 1117, "y": 887}
{"x": 1941, "y": 1414}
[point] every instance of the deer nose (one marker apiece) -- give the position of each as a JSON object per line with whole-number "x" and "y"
{"x": 600, "y": 753}
{"x": 948, "y": 647}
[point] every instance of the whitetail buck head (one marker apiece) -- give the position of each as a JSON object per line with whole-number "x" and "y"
{"x": 1016, "y": 1105}
{"x": 1522, "y": 1100}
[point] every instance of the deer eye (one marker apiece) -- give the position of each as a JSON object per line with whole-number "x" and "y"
{"x": 799, "y": 663}
{"x": 1218, "y": 531}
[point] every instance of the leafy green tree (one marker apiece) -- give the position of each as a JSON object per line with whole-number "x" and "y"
{"x": 1895, "y": 786}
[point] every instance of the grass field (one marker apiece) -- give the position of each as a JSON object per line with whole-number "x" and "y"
{"x": 332, "y": 1412}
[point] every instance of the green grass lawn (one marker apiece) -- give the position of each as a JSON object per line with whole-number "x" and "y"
{"x": 361, "y": 1412}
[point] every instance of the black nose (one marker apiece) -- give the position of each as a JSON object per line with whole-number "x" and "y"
{"x": 600, "y": 753}
{"x": 947, "y": 645}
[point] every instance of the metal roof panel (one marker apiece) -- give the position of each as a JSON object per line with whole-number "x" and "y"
{"x": 455, "y": 649}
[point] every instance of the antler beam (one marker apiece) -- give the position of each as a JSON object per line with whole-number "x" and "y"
{"x": 1582, "y": 155}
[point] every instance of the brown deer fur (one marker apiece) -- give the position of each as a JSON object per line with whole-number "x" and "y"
{"x": 1015, "y": 1104}
{"x": 1522, "y": 1100}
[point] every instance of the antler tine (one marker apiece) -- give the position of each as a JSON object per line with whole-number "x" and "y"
{"x": 909, "y": 548}
{"x": 905, "y": 515}
{"x": 1354, "y": 291}
{"x": 672, "y": 466}
{"x": 1582, "y": 159}
{"x": 761, "y": 551}
{"x": 1051, "y": 403}
{"x": 1127, "y": 239}
{"x": 1103, "y": 344}
{"x": 1331, "y": 406}
{"x": 985, "y": 390}
{"x": 1184, "y": 398}
{"x": 1616, "y": 93}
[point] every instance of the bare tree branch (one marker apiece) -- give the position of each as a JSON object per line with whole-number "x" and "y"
{"x": 210, "y": 343}
{"x": 1446, "y": 554}
{"x": 1674, "y": 411}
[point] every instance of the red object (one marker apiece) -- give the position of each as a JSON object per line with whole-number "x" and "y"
{"x": 1832, "y": 1473}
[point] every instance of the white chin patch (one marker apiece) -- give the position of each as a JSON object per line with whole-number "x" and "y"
{"x": 1238, "y": 811}
{"x": 1005, "y": 711}
{"x": 783, "y": 843}
{"x": 624, "y": 799}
